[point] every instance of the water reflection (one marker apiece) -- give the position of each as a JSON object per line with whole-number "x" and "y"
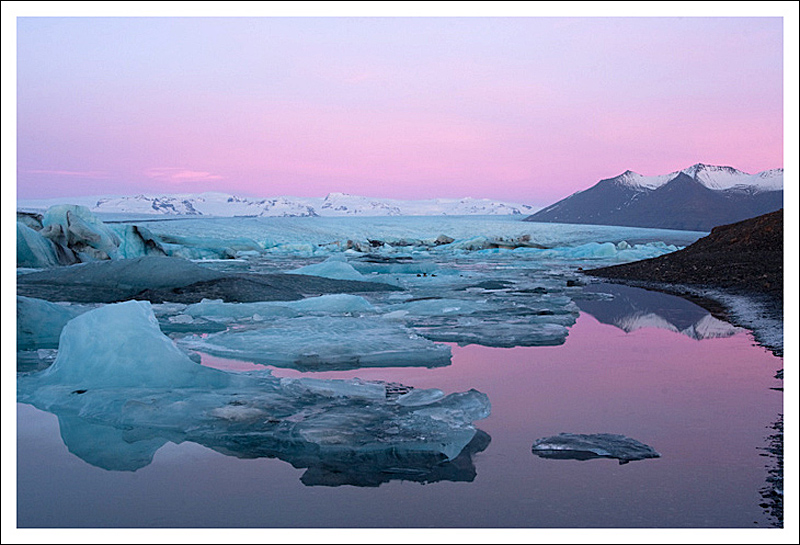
{"x": 772, "y": 492}
{"x": 130, "y": 449}
{"x": 630, "y": 308}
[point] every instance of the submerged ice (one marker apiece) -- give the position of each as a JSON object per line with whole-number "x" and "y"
{"x": 119, "y": 378}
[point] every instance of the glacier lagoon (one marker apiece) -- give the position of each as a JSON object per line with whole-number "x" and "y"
{"x": 489, "y": 341}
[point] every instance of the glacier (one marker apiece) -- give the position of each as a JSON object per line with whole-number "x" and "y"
{"x": 121, "y": 389}
{"x": 334, "y": 204}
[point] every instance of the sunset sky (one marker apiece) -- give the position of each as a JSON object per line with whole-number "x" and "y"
{"x": 521, "y": 109}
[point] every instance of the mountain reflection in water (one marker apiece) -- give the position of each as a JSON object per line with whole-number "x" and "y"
{"x": 630, "y": 308}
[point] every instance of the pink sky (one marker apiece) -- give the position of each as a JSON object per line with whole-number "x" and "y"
{"x": 522, "y": 109}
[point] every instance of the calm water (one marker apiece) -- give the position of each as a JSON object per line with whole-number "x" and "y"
{"x": 705, "y": 405}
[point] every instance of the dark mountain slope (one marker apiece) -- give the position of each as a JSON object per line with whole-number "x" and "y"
{"x": 681, "y": 203}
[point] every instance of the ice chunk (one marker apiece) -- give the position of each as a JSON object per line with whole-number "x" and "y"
{"x": 440, "y": 306}
{"x": 137, "y": 241}
{"x": 34, "y": 250}
{"x": 195, "y": 247}
{"x": 333, "y": 304}
{"x": 323, "y": 343}
{"x": 354, "y": 389}
{"x": 370, "y": 266}
{"x": 121, "y": 345}
{"x": 218, "y": 310}
{"x": 574, "y": 446}
{"x": 84, "y": 232}
{"x": 418, "y": 398}
{"x": 340, "y": 303}
{"x": 30, "y": 219}
{"x": 39, "y": 323}
{"x": 332, "y": 268}
{"x": 118, "y": 378}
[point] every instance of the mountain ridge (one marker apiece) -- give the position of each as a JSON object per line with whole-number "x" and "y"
{"x": 696, "y": 198}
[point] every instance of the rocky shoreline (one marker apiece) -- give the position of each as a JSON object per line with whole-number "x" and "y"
{"x": 736, "y": 273}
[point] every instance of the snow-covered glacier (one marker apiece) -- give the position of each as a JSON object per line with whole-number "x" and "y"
{"x": 333, "y": 204}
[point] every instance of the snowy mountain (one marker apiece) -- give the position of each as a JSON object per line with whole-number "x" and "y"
{"x": 696, "y": 198}
{"x": 711, "y": 177}
{"x": 334, "y": 204}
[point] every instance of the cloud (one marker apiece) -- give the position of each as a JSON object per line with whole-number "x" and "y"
{"x": 95, "y": 174}
{"x": 180, "y": 175}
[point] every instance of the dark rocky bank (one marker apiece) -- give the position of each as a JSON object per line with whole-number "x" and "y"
{"x": 744, "y": 257}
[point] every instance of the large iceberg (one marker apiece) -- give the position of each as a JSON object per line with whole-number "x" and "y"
{"x": 121, "y": 346}
{"x": 77, "y": 228}
{"x": 117, "y": 377}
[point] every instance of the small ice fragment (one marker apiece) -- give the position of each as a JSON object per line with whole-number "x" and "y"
{"x": 575, "y": 446}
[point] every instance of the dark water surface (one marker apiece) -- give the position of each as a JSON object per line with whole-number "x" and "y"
{"x": 705, "y": 405}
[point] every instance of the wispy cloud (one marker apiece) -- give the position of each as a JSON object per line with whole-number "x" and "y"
{"x": 94, "y": 174}
{"x": 180, "y": 175}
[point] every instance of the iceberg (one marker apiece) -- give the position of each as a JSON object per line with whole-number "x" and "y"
{"x": 137, "y": 241}
{"x": 194, "y": 247}
{"x": 77, "y": 228}
{"x": 323, "y": 343}
{"x": 573, "y": 446}
{"x": 121, "y": 345}
{"x": 39, "y": 322}
{"x": 118, "y": 378}
{"x": 36, "y": 251}
{"x": 333, "y": 267}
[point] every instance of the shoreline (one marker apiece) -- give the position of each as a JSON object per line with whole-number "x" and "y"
{"x": 759, "y": 313}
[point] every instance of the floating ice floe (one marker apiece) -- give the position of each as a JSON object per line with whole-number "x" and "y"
{"x": 323, "y": 343}
{"x": 333, "y": 267}
{"x": 333, "y": 304}
{"x": 528, "y": 320}
{"x": 121, "y": 389}
{"x": 574, "y": 446}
